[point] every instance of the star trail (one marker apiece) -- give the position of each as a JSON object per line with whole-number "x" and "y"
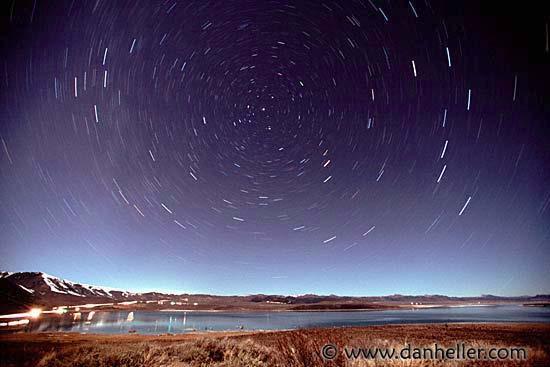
{"x": 348, "y": 147}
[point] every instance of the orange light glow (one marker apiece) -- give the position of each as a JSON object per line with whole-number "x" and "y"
{"x": 35, "y": 313}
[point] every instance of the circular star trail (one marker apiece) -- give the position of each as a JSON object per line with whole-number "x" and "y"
{"x": 238, "y": 146}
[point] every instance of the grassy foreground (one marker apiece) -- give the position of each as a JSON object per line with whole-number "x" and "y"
{"x": 281, "y": 348}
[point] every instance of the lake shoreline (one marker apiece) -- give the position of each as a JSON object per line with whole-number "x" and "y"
{"x": 85, "y": 336}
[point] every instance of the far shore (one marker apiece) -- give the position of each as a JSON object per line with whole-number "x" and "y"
{"x": 320, "y": 307}
{"x": 329, "y": 309}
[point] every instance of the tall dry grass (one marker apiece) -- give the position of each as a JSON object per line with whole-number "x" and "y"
{"x": 203, "y": 352}
{"x": 293, "y": 349}
{"x": 300, "y": 348}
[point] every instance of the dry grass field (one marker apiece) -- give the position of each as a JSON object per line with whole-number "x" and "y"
{"x": 281, "y": 348}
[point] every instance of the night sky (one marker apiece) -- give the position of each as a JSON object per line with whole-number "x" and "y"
{"x": 233, "y": 147}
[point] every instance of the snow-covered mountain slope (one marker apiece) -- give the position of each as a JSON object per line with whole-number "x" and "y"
{"x": 42, "y": 289}
{"x": 45, "y": 286}
{"x": 14, "y": 298}
{"x": 76, "y": 289}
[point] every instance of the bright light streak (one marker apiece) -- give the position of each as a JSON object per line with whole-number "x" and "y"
{"x": 34, "y": 313}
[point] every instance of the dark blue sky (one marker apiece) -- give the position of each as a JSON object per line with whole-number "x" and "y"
{"x": 346, "y": 147}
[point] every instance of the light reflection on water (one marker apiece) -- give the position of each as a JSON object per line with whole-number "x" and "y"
{"x": 151, "y": 322}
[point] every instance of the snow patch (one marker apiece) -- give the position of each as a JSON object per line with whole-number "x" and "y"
{"x": 26, "y": 289}
{"x": 54, "y": 283}
{"x": 81, "y": 290}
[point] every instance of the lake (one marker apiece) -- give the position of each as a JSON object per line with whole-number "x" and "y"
{"x": 146, "y": 322}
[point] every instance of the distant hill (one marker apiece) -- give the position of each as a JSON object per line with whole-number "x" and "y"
{"x": 20, "y": 291}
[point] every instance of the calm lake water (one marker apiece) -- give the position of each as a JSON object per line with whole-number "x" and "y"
{"x": 182, "y": 322}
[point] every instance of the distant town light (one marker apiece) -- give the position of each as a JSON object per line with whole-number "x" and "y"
{"x": 35, "y": 313}
{"x": 60, "y": 310}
